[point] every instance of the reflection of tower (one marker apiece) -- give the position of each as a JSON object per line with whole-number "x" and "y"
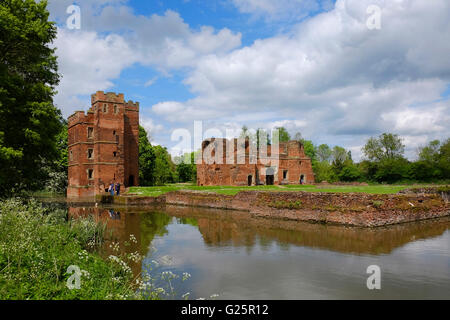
{"x": 103, "y": 145}
{"x": 120, "y": 224}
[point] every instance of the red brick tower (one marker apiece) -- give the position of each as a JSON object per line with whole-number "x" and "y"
{"x": 103, "y": 145}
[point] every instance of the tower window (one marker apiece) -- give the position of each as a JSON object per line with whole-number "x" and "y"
{"x": 105, "y": 108}
{"x": 115, "y": 154}
{"x": 90, "y": 174}
{"x": 116, "y": 109}
{"x": 90, "y": 133}
{"x": 90, "y": 153}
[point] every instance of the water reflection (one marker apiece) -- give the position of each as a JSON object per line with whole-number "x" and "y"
{"x": 229, "y": 228}
{"x": 246, "y": 257}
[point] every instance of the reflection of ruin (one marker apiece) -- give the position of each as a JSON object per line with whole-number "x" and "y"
{"x": 223, "y": 228}
{"x": 234, "y": 228}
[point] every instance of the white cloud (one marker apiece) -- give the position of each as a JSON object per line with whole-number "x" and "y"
{"x": 112, "y": 38}
{"x": 336, "y": 76}
{"x": 151, "y": 128}
{"x": 88, "y": 63}
{"x": 329, "y": 77}
{"x": 151, "y": 82}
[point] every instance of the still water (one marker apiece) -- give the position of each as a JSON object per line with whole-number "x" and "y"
{"x": 236, "y": 256}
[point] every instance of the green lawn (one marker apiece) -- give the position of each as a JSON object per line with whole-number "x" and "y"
{"x": 374, "y": 189}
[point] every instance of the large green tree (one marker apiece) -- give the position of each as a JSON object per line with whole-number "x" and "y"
{"x": 444, "y": 159}
{"x": 323, "y": 153}
{"x": 146, "y": 160}
{"x": 387, "y": 146}
{"x": 281, "y": 134}
{"x": 155, "y": 163}
{"x": 186, "y": 167}
{"x": 29, "y": 122}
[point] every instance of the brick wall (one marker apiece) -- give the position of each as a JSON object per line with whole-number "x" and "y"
{"x": 103, "y": 145}
{"x": 287, "y": 164}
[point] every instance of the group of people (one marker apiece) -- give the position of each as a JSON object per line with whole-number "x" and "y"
{"x": 114, "y": 188}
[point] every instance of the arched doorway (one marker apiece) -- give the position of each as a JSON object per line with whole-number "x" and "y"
{"x": 250, "y": 180}
{"x": 302, "y": 179}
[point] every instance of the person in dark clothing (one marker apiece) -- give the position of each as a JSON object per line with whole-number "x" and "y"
{"x": 117, "y": 189}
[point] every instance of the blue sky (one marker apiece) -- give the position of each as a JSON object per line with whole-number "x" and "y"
{"x": 311, "y": 66}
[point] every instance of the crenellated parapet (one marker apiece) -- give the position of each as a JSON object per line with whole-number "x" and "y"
{"x": 103, "y": 145}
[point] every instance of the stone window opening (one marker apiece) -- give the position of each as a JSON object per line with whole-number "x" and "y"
{"x": 105, "y": 108}
{"x": 90, "y": 133}
{"x": 116, "y": 109}
{"x": 285, "y": 174}
{"x": 115, "y": 154}
{"x": 90, "y": 174}
{"x": 90, "y": 153}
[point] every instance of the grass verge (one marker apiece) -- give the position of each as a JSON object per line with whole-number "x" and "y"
{"x": 231, "y": 190}
{"x": 37, "y": 245}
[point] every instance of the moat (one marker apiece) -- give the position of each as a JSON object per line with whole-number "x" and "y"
{"x": 236, "y": 256}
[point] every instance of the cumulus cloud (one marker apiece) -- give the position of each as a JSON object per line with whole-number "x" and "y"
{"x": 87, "y": 63}
{"x": 112, "y": 38}
{"x": 329, "y": 77}
{"x": 150, "y": 127}
{"x": 336, "y": 76}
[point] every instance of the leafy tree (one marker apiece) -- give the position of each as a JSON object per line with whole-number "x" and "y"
{"x": 349, "y": 172}
{"x": 430, "y": 153}
{"x": 426, "y": 168}
{"x": 186, "y": 167}
{"x": 262, "y": 136}
{"x": 310, "y": 149}
{"x": 29, "y": 122}
{"x": 323, "y": 171}
{"x": 444, "y": 159}
{"x": 56, "y": 170}
{"x": 323, "y": 153}
{"x": 338, "y": 156}
{"x": 146, "y": 160}
{"x": 165, "y": 169}
{"x": 393, "y": 170}
{"x": 386, "y": 146}
{"x": 244, "y": 132}
{"x": 298, "y": 136}
{"x": 282, "y": 134}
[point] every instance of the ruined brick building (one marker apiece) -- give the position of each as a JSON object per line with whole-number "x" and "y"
{"x": 291, "y": 165}
{"x": 103, "y": 145}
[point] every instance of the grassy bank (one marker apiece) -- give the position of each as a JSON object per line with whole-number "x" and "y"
{"x": 230, "y": 190}
{"x": 37, "y": 245}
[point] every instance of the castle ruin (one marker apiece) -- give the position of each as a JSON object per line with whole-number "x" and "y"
{"x": 103, "y": 145}
{"x": 286, "y": 164}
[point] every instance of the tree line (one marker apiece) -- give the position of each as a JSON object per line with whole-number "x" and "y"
{"x": 383, "y": 161}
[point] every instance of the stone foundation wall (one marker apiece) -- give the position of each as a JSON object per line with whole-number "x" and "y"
{"x": 353, "y": 209}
